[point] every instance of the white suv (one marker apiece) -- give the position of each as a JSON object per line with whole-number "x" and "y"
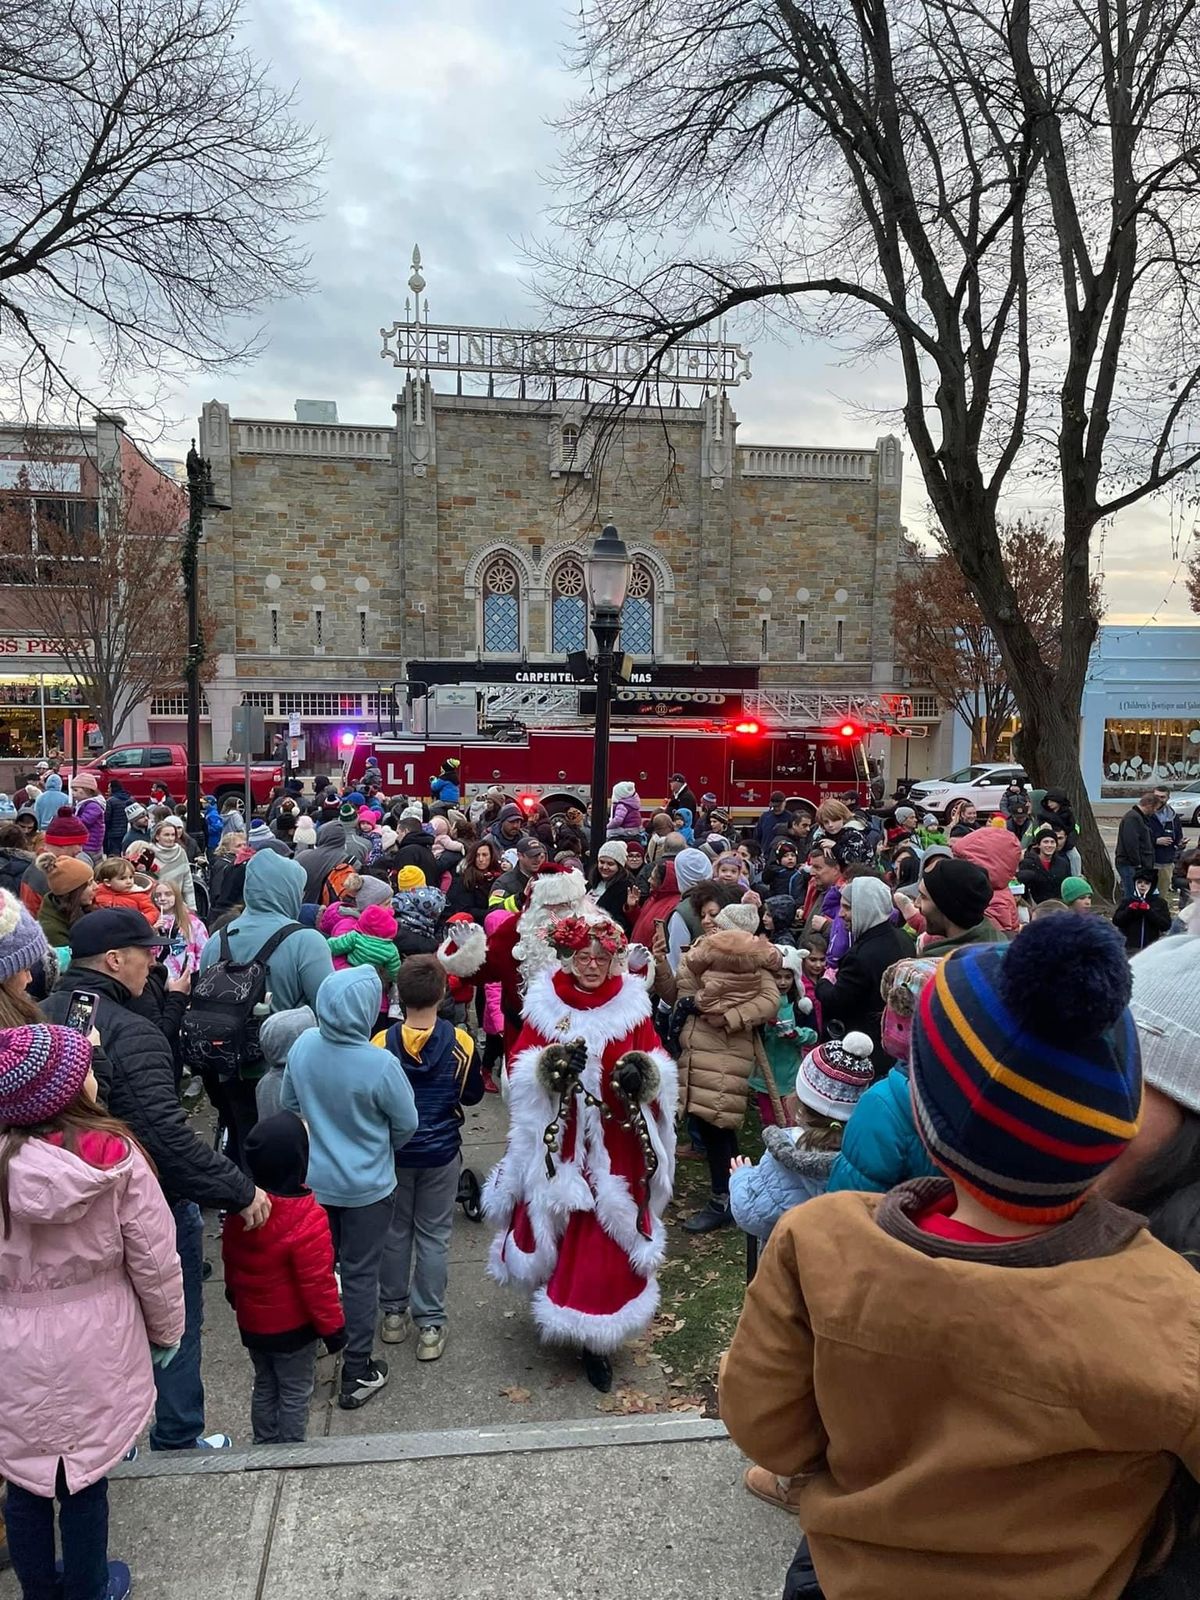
{"x": 982, "y": 785}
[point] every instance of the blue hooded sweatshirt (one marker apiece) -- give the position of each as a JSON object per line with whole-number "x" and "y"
{"x": 355, "y": 1097}
{"x": 273, "y": 891}
{"x": 51, "y": 801}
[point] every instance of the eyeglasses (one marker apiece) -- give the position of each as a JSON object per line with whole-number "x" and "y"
{"x": 591, "y": 958}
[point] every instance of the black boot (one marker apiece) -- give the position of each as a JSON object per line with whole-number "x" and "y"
{"x": 598, "y": 1371}
{"x": 716, "y": 1214}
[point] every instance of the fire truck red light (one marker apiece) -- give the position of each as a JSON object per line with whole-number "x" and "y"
{"x": 747, "y": 727}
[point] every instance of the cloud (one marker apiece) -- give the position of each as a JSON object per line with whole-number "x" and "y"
{"x": 437, "y": 126}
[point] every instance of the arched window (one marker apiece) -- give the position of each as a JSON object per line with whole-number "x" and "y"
{"x": 501, "y": 607}
{"x": 569, "y": 445}
{"x": 568, "y": 608}
{"x": 637, "y": 614}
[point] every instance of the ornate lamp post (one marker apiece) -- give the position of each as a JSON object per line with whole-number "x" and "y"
{"x": 608, "y": 569}
{"x": 201, "y": 498}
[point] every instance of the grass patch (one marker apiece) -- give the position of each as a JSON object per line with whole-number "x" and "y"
{"x": 702, "y": 1283}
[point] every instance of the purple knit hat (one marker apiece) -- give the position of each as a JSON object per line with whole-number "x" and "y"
{"x": 42, "y": 1069}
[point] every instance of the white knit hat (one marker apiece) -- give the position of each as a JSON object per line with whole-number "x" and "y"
{"x": 1166, "y": 1008}
{"x": 622, "y": 791}
{"x": 741, "y": 918}
{"x": 613, "y": 850}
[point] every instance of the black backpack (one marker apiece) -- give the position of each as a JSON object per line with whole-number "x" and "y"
{"x": 220, "y": 1026}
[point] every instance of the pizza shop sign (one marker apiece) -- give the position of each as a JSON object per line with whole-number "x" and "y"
{"x": 17, "y": 645}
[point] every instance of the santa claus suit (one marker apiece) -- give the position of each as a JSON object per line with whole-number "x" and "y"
{"x": 586, "y": 1238}
{"x": 514, "y": 951}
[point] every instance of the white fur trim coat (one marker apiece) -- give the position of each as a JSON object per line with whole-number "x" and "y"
{"x": 588, "y": 1238}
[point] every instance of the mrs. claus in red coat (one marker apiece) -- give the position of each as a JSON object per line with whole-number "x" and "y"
{"x": 579, "y": 1195}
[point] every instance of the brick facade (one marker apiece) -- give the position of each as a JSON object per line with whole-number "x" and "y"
{"x": 767, "y": 555}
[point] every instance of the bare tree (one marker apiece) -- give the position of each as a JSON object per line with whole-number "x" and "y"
{"x": 1004, "y": 195}
{"x": 101, "y": 580}
{"x": 944, "y": 641}
{"x": 150, "y": 179}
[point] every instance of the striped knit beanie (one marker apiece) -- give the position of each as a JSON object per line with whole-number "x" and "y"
{"x": 1026, "y": 1075}
{"x": 42, "y": 1069}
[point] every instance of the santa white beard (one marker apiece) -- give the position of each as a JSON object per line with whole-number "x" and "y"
{"x": 532, "y": 953}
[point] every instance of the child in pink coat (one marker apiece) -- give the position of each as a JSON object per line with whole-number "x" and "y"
{"x": 90, "y": 1294}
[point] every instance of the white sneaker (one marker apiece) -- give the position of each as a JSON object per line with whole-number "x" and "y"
{"x": 430, "y": 1344}
{"x": 356, "y": 1392}
{"x": 215, "y": 1441}
{"x": 397, "y": 1325}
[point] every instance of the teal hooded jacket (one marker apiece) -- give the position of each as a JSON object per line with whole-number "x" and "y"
{"x": 355, "y": 1097}
{"x": 274, "y": 888}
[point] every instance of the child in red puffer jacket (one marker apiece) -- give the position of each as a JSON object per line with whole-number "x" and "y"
{"x": 279, "y": 1280}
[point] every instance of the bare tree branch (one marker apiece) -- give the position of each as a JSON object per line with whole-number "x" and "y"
{"x": 151, "y": 179}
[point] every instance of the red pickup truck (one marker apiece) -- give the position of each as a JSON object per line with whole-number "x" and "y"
{"x": 140, "y": 765}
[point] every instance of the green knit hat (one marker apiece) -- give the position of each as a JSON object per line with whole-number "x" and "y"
{"x": 1074, "y": 889}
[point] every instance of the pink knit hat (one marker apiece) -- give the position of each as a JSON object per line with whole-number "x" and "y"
{"x": 365, "y": 814}
{"x": 42, "y": 1069}
{"x": 377, "y": 921}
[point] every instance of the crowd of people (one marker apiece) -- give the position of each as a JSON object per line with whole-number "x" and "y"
{"x": 941, "y": 1037}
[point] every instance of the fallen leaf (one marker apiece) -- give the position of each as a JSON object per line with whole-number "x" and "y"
{"x": 515, "y": 1395}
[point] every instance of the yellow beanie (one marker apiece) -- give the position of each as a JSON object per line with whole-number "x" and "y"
{"x": 410, "y": 878}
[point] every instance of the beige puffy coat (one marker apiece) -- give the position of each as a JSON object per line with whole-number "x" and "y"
{"x": 730, "y": 976}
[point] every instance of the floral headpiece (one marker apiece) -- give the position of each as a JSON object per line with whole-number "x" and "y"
{"x": 571, "y": 934}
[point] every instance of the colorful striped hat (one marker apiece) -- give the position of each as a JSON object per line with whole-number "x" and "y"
{"x": 1026, "y": 1075}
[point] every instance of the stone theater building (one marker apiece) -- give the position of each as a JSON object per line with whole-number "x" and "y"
{"x": 457, "y": 530}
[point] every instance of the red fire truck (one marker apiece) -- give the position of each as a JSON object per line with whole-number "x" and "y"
{"x": 741, "y": 764}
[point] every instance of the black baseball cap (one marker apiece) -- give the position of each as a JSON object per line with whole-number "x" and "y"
{"x": 98, "y": 931}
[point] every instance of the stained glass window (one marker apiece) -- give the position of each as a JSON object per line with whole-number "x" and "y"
{"x": 637, "y": 614}
{"x": 568, "y": 609}
{"x": 501, "y": 608}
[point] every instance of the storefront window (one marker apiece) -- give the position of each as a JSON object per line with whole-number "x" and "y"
{"x": 25, "y": 716}
{"x": 1142, "y": 750}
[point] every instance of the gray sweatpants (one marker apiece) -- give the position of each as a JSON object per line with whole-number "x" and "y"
{"x": 422, "y": 1223}
{"x": 283, "y": 1388}
{"x": 359, "y": 1235}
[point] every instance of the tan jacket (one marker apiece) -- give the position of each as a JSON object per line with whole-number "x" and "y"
{"x": 730, "y": 976}
{"x": 973, "y": 1431}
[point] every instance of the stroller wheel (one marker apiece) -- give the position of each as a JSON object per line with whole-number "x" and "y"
{"x": 469, "y": 1195}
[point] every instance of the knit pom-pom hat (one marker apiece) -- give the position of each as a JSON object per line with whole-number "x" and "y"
{"x": 834, "y": 1077}
{"x": 42, "y": 1069}
{"x": 1026, "y": 1074}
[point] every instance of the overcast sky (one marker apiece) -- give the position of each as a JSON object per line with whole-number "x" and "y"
{"x": 436, "y": 121}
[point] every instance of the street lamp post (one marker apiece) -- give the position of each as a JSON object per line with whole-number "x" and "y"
{"x": 200, "y": 498}
{"x": 608, "y": 569}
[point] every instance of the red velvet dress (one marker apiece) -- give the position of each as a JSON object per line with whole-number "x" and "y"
{"x": 587, "y": 1239}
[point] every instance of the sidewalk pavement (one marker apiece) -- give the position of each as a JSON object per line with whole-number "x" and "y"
{"x": 494, "y": 1369}
{"x": 666, "y": 1521}
{"x": 401, "y": 1515}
